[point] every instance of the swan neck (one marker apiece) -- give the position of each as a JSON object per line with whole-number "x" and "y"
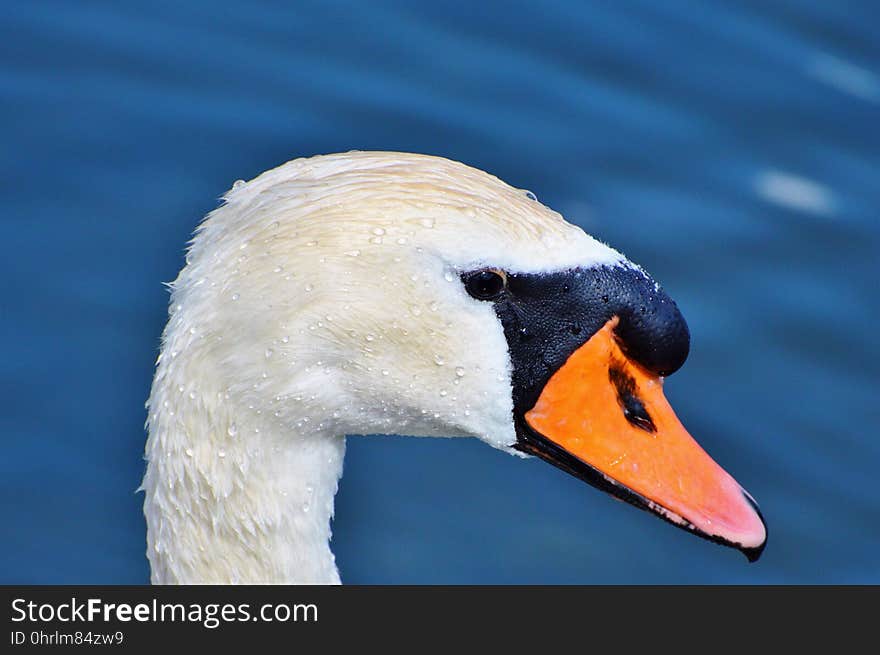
{"x": 232, "y": 496}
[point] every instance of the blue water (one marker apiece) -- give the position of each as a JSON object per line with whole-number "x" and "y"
{"x": 732, "y": 149}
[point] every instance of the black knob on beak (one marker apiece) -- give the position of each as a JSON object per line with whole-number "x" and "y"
{"x": 651, "y": 330}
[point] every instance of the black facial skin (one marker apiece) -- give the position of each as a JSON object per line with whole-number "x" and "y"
{"x": 547, "y": 316}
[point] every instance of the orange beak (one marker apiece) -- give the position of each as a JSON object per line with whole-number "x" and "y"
{"x": 607, "y": 412}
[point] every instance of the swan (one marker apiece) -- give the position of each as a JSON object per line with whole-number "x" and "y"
{"x": 380, "y": 292}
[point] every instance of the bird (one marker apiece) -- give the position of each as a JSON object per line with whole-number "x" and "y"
{"x": 364, "y": 293}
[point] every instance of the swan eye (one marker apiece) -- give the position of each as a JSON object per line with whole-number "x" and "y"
{"x": 487, "y": 284}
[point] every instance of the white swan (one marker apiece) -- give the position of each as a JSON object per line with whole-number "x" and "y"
{"x": 366, "y": 293}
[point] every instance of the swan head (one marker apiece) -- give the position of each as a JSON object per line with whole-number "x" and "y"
{"x": 391, "y": 293}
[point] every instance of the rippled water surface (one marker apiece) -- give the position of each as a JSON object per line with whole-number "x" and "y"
{"x": 732, "y": 149}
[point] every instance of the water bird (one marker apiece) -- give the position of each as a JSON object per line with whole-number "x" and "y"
{"x": 390, "y": 293}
